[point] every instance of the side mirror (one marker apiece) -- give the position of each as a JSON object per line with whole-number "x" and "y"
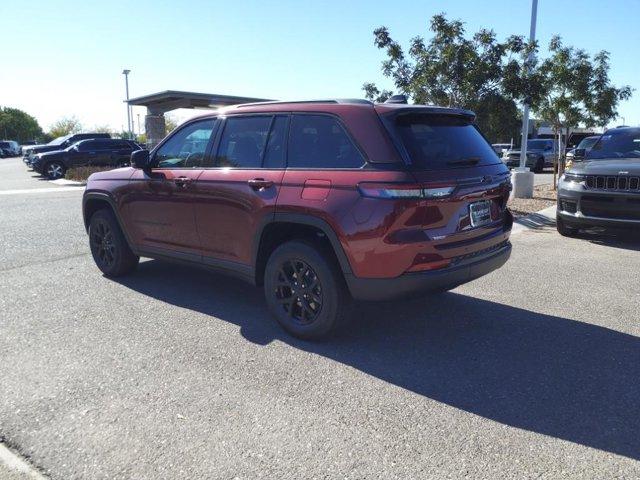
{"x": 579, "y": 153}
{"x": 141, "y": 159}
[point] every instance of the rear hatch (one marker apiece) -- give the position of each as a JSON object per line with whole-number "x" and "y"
{"x": 466, "y": 186}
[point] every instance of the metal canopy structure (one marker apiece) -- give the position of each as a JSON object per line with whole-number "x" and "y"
{"x": 161, "y": 102}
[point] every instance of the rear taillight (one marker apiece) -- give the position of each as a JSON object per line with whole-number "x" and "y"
{"x": 406, "y": 190}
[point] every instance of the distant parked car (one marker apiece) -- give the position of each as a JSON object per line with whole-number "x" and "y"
{"x": 26, "y": 144}
{"x": 10, "y": 148}
{"x": 586, "y": 143}
{"x": 500, "y": 148}
{"x": 59, "y": 143}
{"x": 602, "y": 186}
{"x": 102, "y": 152}
{"x": 540, "y": 154}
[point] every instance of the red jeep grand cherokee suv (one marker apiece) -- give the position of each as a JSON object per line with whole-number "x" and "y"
{"x": 319, "y": 201}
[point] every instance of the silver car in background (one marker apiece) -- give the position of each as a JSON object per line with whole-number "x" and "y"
{"x": 541, "y": 153}
{"x": 602, "y": 187}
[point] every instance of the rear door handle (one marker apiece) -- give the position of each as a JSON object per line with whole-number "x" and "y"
{"x": 182, "y": 182}
{"x": 259, "y": 183}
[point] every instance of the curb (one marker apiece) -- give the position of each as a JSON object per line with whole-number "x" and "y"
{"x": 67, "y": 183}
{"x": 534, "y": 221}
{"x": 14, "y": 463}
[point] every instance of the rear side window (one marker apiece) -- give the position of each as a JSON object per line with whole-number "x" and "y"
{"x": 104, "y": 145}
{"x": 243, "y": 142}
{"x": 319, "y": 141}
{"x": 435, "y": 142}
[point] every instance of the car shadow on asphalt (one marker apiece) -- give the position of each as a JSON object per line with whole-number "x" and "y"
{"x": 546, "y": 374}
{"x": 625, "y": 239}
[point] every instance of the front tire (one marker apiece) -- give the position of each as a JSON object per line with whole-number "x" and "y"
{"x": 109, "y": 248}
{"x": 564, "y": 229}
{"x": 54, "y": 170}
{"x": 305, "y": 290}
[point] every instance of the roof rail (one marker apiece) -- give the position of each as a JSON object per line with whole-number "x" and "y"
{"x": 333, "y": 100}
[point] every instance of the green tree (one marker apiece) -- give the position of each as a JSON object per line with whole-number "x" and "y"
{"x": 18, "y": 125}
{"x": 578, "y": 89}
{"x": 170, "y": 123}
{"x": 478, "y": 73}
{"x": 103, "y": 129}
{"x": 65, "y": 126}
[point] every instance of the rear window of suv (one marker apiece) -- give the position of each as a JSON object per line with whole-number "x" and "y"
{"x": 436, "y": 142}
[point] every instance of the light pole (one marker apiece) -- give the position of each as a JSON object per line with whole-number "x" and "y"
{"x": 126, "y": 84}
{"x": 139, "y": 131}
{"x": 522, "y": 178}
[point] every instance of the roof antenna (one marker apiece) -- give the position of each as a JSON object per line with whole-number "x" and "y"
{"x": 397, "y": 99}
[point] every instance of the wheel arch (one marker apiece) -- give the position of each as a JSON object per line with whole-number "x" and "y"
{"x": 94, "y": 201}
{"x": 286, "y": 226}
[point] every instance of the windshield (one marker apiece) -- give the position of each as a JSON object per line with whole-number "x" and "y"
{"x": 58, "y": 141}
{"x": 588, "y": 142}
{"x": 443, "y": 141}
{"x": 4, "y": 145}
{"x": 538, "y": 144}
{"x": 617, "y": 144}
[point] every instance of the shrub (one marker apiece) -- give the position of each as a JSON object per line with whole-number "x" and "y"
{"x": 81, "y": 174}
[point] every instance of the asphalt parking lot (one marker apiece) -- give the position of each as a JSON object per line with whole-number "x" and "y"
{"x": 529, "y": 372}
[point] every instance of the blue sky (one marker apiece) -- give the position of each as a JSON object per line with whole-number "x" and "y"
{"x": 67, "y": 56}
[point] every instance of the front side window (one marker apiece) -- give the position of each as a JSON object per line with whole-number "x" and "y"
{"x": 104, "y": 145}
{"x": 319, "y": 141}
{"x": 243, "y": 142}
{"x": 86, "y": 146}
{"x": 588, "y": 142}
{"x": 187, "y": 147}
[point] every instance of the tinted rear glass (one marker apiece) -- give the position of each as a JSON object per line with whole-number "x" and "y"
{"x": 436, "y": 142}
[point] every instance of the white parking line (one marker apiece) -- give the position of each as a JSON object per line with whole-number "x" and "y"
{"x": 41, "y": 190}
{"x": 16, "y": 464}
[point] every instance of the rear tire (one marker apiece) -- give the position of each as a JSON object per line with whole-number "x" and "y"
{"x": 109, "y": 248}
{"x": 565, "y": 230}
{"x": 305, "y": 290}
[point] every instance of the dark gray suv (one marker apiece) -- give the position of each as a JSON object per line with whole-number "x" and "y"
{"x": 602, "y": 186}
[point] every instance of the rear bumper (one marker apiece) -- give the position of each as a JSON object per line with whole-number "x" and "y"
{"x": 411, "y": 283}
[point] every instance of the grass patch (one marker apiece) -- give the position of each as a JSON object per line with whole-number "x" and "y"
{"x": 80, "y": 174}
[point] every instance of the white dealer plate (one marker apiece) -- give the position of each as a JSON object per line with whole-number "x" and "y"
{"x": 480, "y": 213}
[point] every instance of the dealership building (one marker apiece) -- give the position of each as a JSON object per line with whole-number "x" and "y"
{"x": 162, "y": 102}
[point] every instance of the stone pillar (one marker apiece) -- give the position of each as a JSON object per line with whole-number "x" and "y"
{"x": 155, "y": 128}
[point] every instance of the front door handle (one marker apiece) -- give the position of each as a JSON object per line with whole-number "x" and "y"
{"x": 182, "y": 182}
{"x": 259, "y": 183}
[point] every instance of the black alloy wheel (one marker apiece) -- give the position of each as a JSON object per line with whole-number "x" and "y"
{"x": 109, "y": 247}
{"x": 102, "y": 243}
{"x": 299, "y": 291}
{"x": 305, "y": 289}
